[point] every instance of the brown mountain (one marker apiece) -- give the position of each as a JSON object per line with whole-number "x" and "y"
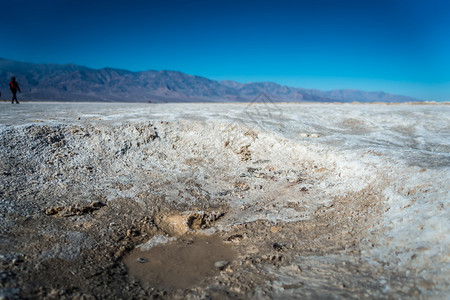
{"x": 53, "y": 82}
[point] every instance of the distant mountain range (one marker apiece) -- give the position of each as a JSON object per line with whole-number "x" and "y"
{"x": 69, "y": 82}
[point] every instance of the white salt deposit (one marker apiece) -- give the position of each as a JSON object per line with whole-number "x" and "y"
{"x": 155, "y": 241}
{"x": 400, "y": 152}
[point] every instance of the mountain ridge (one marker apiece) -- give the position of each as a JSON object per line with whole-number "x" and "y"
{"x": 71, "y": 82}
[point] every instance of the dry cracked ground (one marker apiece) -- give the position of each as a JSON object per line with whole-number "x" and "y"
{"x": 188, "y": 210}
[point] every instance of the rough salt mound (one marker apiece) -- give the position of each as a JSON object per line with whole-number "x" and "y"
{"x": 314, "y": 200}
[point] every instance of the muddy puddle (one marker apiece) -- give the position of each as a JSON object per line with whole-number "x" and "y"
{"x": 183, "y": 263}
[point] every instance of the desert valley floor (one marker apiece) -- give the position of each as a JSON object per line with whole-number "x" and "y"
{"x": 224, "y": 201}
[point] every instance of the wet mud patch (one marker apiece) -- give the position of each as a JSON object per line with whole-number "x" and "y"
{"x": 180, "y": 264}
{"x": 178, "y": 224}
{"x": 74, "y": 210}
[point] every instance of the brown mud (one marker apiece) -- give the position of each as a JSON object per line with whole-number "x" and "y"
{"x": 179, "y": 264}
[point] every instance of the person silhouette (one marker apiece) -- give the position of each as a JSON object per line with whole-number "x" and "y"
{"x": 14, "y": 87}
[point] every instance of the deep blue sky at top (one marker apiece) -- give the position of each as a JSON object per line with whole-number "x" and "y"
{"x": 398, "y": 46}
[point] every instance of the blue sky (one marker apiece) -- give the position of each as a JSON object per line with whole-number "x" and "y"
{"x": 398, "y": 46}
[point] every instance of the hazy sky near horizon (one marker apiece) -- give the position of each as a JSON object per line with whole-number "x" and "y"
{"x": 398, "y": 46}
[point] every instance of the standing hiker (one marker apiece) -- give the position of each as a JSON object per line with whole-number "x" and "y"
{"x": 14, "y": 87}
